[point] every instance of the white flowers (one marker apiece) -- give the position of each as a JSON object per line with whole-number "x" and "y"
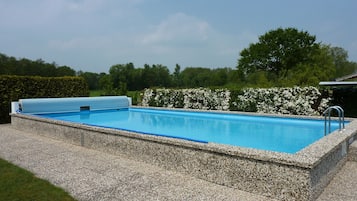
{"x": 201, "y": 98}
{"x": 296, "y": 100}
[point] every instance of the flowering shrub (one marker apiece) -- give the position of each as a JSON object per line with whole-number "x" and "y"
{"x": 163, "y": 98}
{"x": 296, "y": 100}
{"x": 201, "y": 98}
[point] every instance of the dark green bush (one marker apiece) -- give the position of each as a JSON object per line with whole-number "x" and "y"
{"x": 13, "y": 88}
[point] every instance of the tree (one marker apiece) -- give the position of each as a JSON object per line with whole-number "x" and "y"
{"x": 176, "y": 76}
{"x": 219, "y": 76}
{"x": 122, "y": 76}
{"x": 23, "y": 66}
{"x": 155, "y": 76}
{"x": 196, "y": 77}
{"x": 162, "y": 75}
{"x": 321, "y": 68}
{"x": 5, "y": 65}
{"x": 277, "y": 52}
{"x": 148, "y": 76}
{"x": 138, "y": 82}
{"x": 91, "y": 78}
{"x": 106, "y": 84}
{"x": 65, "y": 71}
{"x": 340, "y": 60}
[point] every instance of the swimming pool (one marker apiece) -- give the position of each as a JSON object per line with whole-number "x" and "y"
{"x": 288, "y": 135}
{"x": 285, "y": 176}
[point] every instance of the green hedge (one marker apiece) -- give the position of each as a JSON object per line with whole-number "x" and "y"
{"x": 13, "y": 88}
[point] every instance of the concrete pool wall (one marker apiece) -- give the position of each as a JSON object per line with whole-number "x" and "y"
{"x": 300, "y": 176}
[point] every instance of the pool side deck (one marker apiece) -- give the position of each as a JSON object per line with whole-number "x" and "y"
{"x": 92, "y": 175}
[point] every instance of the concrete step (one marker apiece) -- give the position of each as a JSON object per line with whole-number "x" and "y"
{"x": 352, "y": 152}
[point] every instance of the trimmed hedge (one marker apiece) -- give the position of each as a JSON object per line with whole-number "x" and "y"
{"x": 13, "y": 88}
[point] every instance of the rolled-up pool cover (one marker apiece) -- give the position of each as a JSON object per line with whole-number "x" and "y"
{"x": 60, "y": 105}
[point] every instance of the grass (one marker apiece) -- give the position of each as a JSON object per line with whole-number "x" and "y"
{"x": 93, "y": 93}
{"x": 17, "y": 184}
{"x": 135, "y": 95}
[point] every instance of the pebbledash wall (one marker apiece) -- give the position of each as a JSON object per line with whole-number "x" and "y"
{"x": 300, "y": 176}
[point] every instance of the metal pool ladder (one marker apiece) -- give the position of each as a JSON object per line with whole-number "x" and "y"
{"x": 341, "y": 115}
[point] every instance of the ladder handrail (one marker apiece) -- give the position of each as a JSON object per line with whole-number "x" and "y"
{"x": 341, "y": 114}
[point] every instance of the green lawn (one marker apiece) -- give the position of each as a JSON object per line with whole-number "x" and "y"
{"x": 135, "y": 95}
{"x": 93, "y": 93}
{"x": 17, "y": 184}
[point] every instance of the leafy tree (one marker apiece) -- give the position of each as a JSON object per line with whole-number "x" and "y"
{"x": 137, "y": 77}
{"x": 340, "y": 60}
{"x": 277, "y": 52}
{"x": 91, "y": 78}
{"x": 196, "y": 77}
{"x": 162, "y": 73}
{"x": 321, "y": 67}
{"x": 148, "y": 77}
{"x": 125, "y": 77}
{"x": 65, "y": 71}
{"x": 106, "y": 84}
{"x": 233, "y": 78}
{"x": 156, "y": 76}
{"x": 5, "y": 64}
{"x": 176, "y": 76}
{"x": 122, "y": 76}
{"x": 13, "y": 66}
{"x": 339, "y": 56}
{"x": 258, "y": 79}
{"x": 219, "y": 76}
{"x": 205, "y": 77}
{"x": 287, "y": 57}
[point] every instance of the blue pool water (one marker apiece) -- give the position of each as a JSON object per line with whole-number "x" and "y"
{"x": 287, "y": 135}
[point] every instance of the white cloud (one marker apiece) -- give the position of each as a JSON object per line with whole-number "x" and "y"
{"x": 81, "y": 43}
{"x": 190, "y": 41}
{"x": 178, "y": 28}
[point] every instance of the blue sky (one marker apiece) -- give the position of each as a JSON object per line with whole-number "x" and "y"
{"x": 92, "y": 35}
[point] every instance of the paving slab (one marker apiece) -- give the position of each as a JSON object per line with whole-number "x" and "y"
{"x": 92, "y": 175}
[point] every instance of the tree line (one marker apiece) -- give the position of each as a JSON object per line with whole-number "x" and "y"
{"x": 281, "y": 58}
{"x": 27, "y": 67}
{"x": 123, "y": 77}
